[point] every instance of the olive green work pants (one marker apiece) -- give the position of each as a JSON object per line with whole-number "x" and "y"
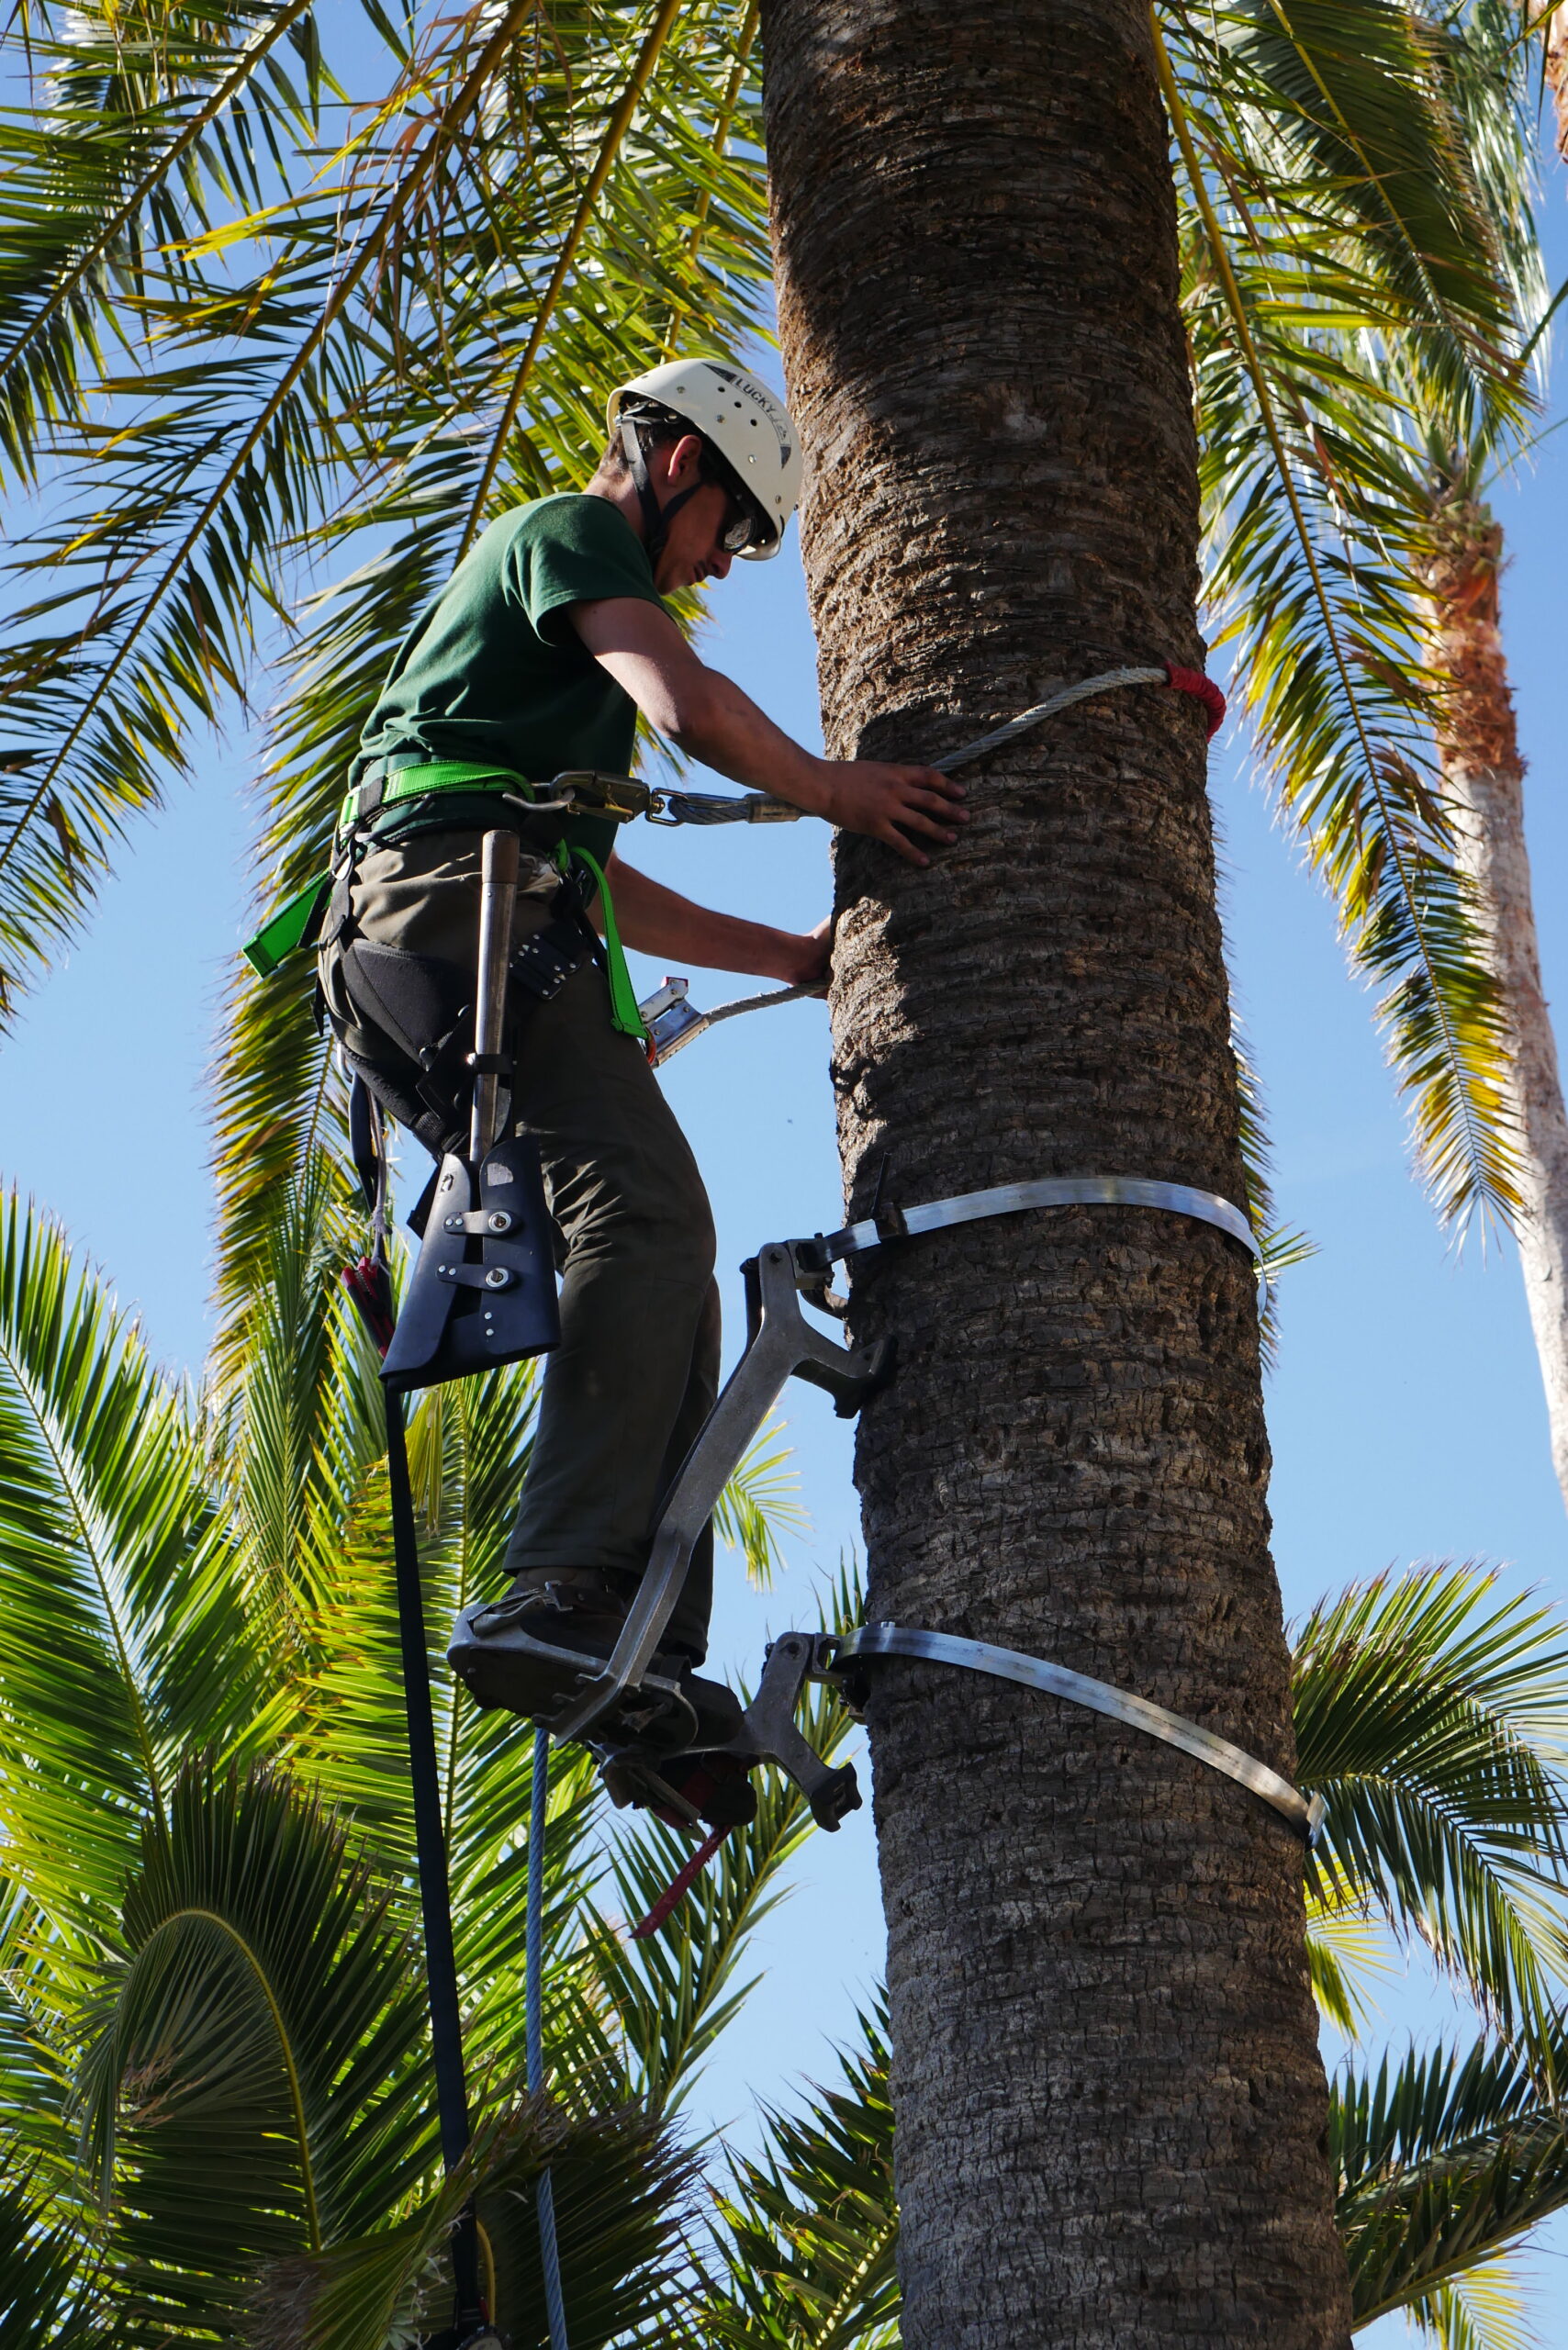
{"x": 637, "y": 1368}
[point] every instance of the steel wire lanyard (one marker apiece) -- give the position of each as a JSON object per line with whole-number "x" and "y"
{"x": 672, "y": 1021}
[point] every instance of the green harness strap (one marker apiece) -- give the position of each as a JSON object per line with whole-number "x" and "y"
{"x": 624, "y": 1017}
{"x": 295, "y": 925}
{"x": 299, "y": 923}
{"x": 418, "y": 782}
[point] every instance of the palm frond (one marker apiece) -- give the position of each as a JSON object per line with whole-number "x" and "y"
{"x": 123, "y": 1634}
{"x": 41, "y": 2268}
{"x": 1347, "y": 1951}
{"x": 1441, "y": 2161}
{"x": 621, "y": 2190}
{"x": 1484, "y": 2308}
{"x": 759, "y": 1506}
{"x": 807, "y": 2234}
{"x": 1337, "y": 112}
{"x": 1314, "y": 576}
{"x": 1295, "y": 295}
{"x": 271, "y": 386}
{"x": 256, "y": 2080}
{"x": 130, "y": 102}
{"x": 1430, "y": 1715}
{"x": 1281, "y": 1247}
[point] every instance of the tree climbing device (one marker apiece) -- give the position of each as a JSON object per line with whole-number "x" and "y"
{"x": 482, "y": 1295}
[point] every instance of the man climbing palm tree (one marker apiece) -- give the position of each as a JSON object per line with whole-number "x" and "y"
{"x": 550, "y": 637}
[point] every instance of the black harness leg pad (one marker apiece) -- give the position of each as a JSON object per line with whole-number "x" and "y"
{"x": 413, "y": 998}
{"x": 482, "y": 1291}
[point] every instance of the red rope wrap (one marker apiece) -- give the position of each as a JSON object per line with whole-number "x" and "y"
{"x": 1201, "y": 689}
{"x": 681, "y": 1884}
{"x": 370, "y": 1290}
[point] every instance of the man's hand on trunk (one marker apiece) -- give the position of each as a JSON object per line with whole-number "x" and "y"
{"x": 710, "y": 717}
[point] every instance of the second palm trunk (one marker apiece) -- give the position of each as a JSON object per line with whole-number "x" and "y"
{"x": 1110, "y": 2105}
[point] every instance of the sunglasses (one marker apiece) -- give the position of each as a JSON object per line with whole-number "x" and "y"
{"x": 743, "y": 527}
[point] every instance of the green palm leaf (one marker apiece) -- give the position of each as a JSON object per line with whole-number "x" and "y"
{"x": 124, "y": 1638}
{"x": 1481, "y": 2309}
{"x": 621, "y": 2190}
{"x": 759, "y": 1504}
{"x": 1430, "y": 1714}
{"x": 274, "y": 388}
{"x": 1441, "y": 2162}
{"x": 1299, "y": 283}
{"x": 255, "y": 2080}
{"x": 40, "y": 2271}
{"x": 808, "y": 2234}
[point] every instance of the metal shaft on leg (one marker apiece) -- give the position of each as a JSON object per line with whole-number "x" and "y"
{"x": 497, "y": 897}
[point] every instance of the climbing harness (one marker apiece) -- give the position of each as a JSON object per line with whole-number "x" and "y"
{"x": 618, "y": 798}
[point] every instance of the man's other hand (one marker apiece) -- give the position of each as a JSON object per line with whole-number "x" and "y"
{"x": 889, "y": 803}
{"x": 813, "y": 959}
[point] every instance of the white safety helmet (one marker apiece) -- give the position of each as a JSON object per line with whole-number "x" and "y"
{"x": 735, "y": 412}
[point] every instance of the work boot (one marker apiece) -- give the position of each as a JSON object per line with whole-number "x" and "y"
{"x": 534, "y": 1650}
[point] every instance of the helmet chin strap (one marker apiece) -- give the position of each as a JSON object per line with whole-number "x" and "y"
{"x": 656, "y": 519}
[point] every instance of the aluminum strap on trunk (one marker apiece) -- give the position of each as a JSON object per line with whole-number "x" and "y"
{"x": 1304, "y": 1815}
{"x": 1046, "y": 1191}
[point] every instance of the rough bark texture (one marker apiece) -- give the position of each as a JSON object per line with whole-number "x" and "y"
{"x": 1110, "y": 2103}
{"x": 1557, "y": 72}
{"x": 1483, "y": 776}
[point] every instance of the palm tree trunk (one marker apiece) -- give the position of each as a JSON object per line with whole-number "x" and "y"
{"x": 1483, "y": 775}
{"x": 1557, "y": 72}
{"x": 1109, "y": 2099}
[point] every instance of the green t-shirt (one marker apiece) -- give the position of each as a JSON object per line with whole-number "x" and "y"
{"x": 494, "y": 668}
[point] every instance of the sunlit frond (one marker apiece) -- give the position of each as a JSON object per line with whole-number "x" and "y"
{"x": 760, "y": 1504}
{"x": 1442, "y": 2163}
{"x": 1296, "y": 285}
{"x": 1347, "y": 1950}
{"x": 124, "y": 1635}
{"x": 809, "y": 2232}
{"x": 256, "y": 2081}
{"x": 1484, "y": 2308}
{"x": 1429, "y": 1713}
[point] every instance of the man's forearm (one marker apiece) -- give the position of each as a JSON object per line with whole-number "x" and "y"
{"x": 720, "y": 724}
{"x": 707, "y": 714}
{"x": 660, "y": 922}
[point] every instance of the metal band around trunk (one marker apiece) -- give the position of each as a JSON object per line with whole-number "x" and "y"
{"x": 1304, "y": 1815}
{"x": 1048, "y": 1192}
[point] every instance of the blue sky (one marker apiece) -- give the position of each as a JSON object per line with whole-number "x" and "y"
{"x": 1405, "y": 1414}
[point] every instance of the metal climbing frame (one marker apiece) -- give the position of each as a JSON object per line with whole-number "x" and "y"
{"x": 780, "y": 1345}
